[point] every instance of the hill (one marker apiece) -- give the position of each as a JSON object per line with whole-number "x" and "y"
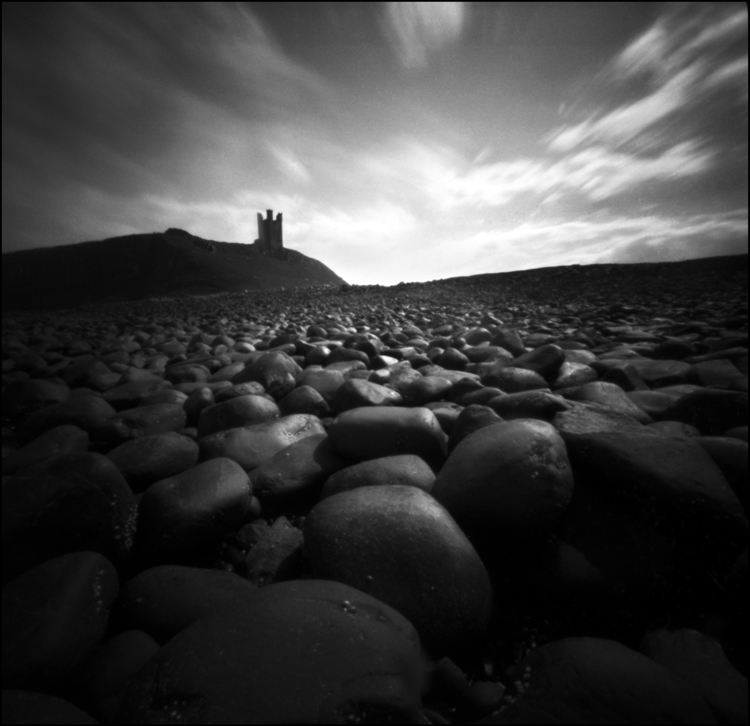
{"x": 146, "y": 265}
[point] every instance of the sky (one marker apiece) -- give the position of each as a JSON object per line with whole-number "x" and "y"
{"x": 401, "y": 141}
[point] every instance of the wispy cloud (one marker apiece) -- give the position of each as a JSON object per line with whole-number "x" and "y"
{"x": 416, "y": 30}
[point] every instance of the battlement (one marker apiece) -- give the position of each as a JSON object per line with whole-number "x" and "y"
{"x": 270, "y": 237}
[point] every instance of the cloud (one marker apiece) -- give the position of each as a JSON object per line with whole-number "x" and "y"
{"x": 416, "y": 30}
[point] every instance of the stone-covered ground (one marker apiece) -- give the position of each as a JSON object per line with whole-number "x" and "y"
{"x": 514, "y": 498}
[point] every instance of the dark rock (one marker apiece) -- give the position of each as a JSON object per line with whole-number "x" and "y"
{"x": 510, "y": 480}
{"x": 545, "y": 360}
{"x": 164, "y": 600}
{"x": 59, "y": 440}
{"x": 182, "y": 520}
{"x": 514, "y": 380}
{"x": 54, "y": 615}
{"x": 24, "y": 397}
{"x": 295, "y": 475}
{"x": 406, "y": 469}
{"x": 37, "y": 708}
{"x": 699, "y": 661}
{"x": 148, "y": 459}
{"x": 399, "y": 545}
{"x": 638, "y": 502}
{"x": 106, "y": 675}
{"x": 711, "y": 411}
{"x": 70, "y": 503}
{"x": 86, "y": 412}
{"x": 731, "y": 456}
{"x": 609, "y": 395}
{"x": 142, "y": 421}
{"x": 276, "y": 372}
{"x": 377, "y": 431}
{"x": 130, "y": 395}
{"x": 355, "y": 393}
{"x": 586, "y": 418}
{"x": 250, "y": 446}
{"x": 277, "y": 556}
{"x": 236, "y": 412}
{"x": 471, "y": 419}
{"x": 244, "y": 665}
{"x": 591, "y": 680}
{"x": 529, "y": 404}
{"x": 304, "y": 399}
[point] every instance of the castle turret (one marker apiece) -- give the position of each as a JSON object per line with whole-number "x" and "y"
{"x": 270, "y": 237}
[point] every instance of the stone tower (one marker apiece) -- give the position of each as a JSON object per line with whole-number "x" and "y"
{"x": 269, "y": 233}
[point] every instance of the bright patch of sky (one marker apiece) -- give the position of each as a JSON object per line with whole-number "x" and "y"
{"x": 401, "y": 141}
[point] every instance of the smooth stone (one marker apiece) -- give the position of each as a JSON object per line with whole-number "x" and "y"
{"x": 164, "y": 395}
{"x": 148, "y": 459}
{"x": 130, "y": 395}
{"x": 406, "y": 470}
{"x": 673, "y": 428}
{"x": 592, "y": 680}
{"x": 471, "y": 419}
{"x": 480, "y": 396}
{"x": 277, "y": 556}
{"x": 657, "y": 373}
{"x": 275, "y": 371}
{"x": 238, "y": 389}
{"x": 304, "y": 399}
{"x": 59, "y": 440}
{"x": 243, "y": 665}
{"x": 236, "y": 412}
{"x": 30, "y": 707}
{"x": 627, "y": 377}
{"x": 609, "y": 395}
{"x": 183, "y": 519}
{"x": 653, "y": 403}
{"x": 446, "y": 413}
{"x": 511, "y": 379}
{"x": 510, "y": 340}
{"x": 85, "y": 412}
{"x": 719, "y": 372}
{"x": 215, "y": 386}
{"x": 325, "y": 382}
{"x": 399, "y": 545}
{"x": 90, "y": 374}
{"x": 195, "y": 403}
{"x": 187, "y": 373}
{"x": 508, "y": 480}
{"x": 488, "y": 353}
{"x": 586, "y": 418}
{"x": 574, "y": 374}
{"x": 227, "y": 373}
{"x": 106, "y": 675}
{"x": 700, "y": 661}
{"x": 54, "y": 615}
{"x": 477, "y": 336}
{"x": 546, "y": 360}
{"x": 376, "y": 431}
{"x": 24, "y": 397}
{"x": 452, "y": 359}
{"x": 296, "y": 474}
{"x": 639, "y": 501}
{"x": 77, "y": 501}
{"x": 355, "y": 393}
{"x": 142, "y": 421}
{"x": 164, "y": 600}
{"x": 426, "y": 390}
{"x": 731, "y": 456}
{"x": 250, "y": 446}
{"x": 710, "y": 410}
{"x": 541, "y": 405}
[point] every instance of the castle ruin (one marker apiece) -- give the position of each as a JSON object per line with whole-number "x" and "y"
{"x": 270, "y": 238}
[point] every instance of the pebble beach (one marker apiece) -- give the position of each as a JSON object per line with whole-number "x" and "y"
{"x": 509, "y": 498}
